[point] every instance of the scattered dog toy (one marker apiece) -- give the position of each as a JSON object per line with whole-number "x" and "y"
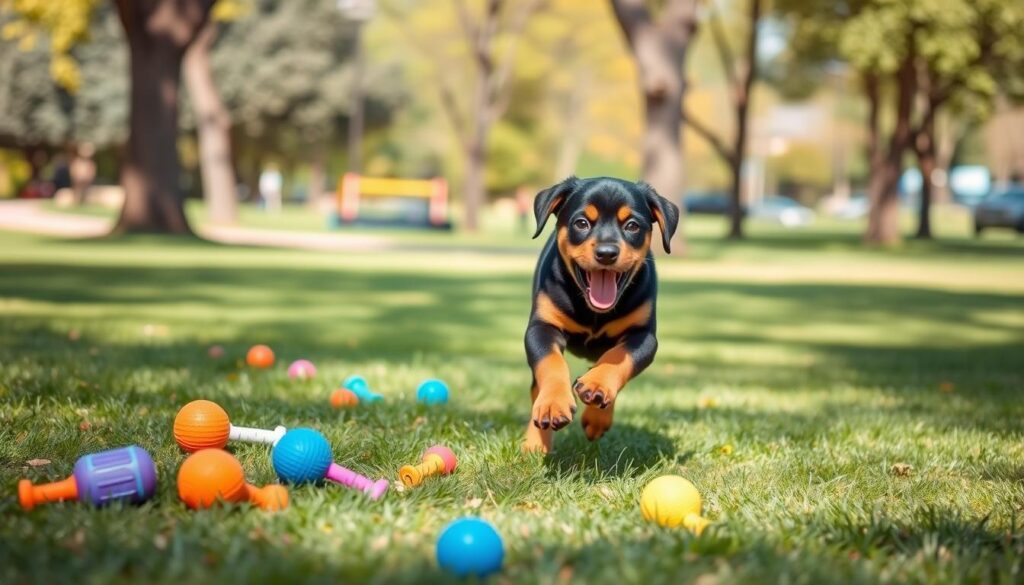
{"x": 124, "y": 474}
{"x": 202, "y": 424}
{"x": 437, "y": 460}
{"x": 670, "y": 501}
{"x": 210, "y": 475}
{"x": 432, "y": 391}
{"x": 260, "y": 356}
{"x": 344, "y": 398}
{"x": 304, "y": 455}
{"x": 302, "y": 370}
{"x": 358, "y": 385}
{"x": 470, "y": 546}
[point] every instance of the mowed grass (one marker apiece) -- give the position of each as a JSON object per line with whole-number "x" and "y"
{"x": 849, "y": 415}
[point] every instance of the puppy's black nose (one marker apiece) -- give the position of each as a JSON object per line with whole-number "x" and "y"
{"x": 606, "y": 253}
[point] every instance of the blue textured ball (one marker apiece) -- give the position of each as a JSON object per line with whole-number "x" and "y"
{"x": 470, "y": 546}
{"x": 432, "y": 392}
{"x": 302, "y": 455}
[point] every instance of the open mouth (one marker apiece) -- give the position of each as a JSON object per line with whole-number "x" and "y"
{"x": 603, "y": 287}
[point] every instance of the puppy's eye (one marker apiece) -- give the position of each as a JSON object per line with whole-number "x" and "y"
{"x": 581, "y": 224}
{"x": 631, "y": 227}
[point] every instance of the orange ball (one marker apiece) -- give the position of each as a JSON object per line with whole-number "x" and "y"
{"x": 344, "y": 398}
{"x": 210, "y": 475}
{"x": 260, "y": 356}
{"x": 201, "y": 424}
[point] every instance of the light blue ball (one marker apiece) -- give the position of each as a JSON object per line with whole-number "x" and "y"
{"x": 470, "y": 546}
{"x": 302, "y": 455}
{"x": 432, "y": 392}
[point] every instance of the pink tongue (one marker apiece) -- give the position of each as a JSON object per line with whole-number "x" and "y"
{"x": 603, "y": 288}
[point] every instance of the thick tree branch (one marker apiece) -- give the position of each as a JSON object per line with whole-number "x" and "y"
{"x": 705, "y": 132}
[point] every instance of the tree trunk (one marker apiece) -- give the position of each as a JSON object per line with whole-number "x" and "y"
{"x": 659, "y": 50}
{"x": 476, "y": 148}
{"x": 213, "y": 124}
{"x": 925, "y": 149}
{"x": 886, "y": 164}
{"x": 747, "y": 73}
{"x": 158, "y": 33}
{"x": 317, "y": 179}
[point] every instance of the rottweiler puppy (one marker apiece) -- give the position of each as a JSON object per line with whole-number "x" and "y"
{"x": 594, "y": 293}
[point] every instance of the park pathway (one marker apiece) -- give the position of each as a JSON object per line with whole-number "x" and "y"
{"x": 24, "y": 215}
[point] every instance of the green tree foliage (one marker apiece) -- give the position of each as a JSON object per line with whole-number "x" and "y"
{"x": 35, "y": 110}
{"x": 284, "y": 73}
{"x": 914, "y": 58}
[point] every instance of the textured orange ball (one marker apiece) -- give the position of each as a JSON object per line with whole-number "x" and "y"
{"x": 344, "y": 398}
{"x": 201, "y": 424}
{"x": 260, "y": 356}
{"x": 209, "y": 475}
{"x": 212, "y": 475}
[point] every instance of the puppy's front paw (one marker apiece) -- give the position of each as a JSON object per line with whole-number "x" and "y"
{"x": 596, "y": 421}
{"x": 594, "y": 390}
{"x": 553, "y": 410}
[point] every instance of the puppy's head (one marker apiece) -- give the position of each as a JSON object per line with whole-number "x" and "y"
{"x": 604, "y": 232}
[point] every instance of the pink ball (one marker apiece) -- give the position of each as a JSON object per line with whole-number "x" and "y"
{"x": 302, "y": 369}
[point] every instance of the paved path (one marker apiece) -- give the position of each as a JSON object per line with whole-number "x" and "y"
{"x": 32, "y": 216}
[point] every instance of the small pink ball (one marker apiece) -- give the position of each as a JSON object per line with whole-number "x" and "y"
{"x": 302, "y": 370}
{"x": 215, "y": 352}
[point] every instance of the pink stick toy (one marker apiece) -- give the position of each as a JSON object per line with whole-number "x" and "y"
{"x": 347, "y": 477}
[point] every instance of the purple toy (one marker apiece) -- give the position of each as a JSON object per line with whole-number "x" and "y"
{"x": 125, "y": 474}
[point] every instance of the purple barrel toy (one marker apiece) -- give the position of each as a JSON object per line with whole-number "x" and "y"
{"x": 124, "y": 474}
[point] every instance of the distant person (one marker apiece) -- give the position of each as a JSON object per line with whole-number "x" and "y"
{"x": 524, "y": 201}
{"x": 82, "y": 171}
{"x": 270, "y": 188}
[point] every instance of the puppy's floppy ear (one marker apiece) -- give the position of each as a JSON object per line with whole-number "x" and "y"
{"x": 550, "y": 200}
{"x": 665, "y": 213}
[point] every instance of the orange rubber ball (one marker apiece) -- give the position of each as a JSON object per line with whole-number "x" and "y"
{"x": 344, "y": 398}
{"x": 260, "y": 356}
{"x": 201, "y": 424}
{"x": 210, "y": 475}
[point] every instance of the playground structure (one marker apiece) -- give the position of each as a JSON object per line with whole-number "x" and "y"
{"x": 402, "y": 201}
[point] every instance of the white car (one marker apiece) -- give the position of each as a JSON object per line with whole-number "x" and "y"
{"x": 783, "y": 210}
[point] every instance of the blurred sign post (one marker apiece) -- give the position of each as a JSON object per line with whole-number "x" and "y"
{"x": 359, "y": 12}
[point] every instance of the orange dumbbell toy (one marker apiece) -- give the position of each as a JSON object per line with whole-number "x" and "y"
{"x": 202, "y": 424}
{"x": 437, "y": 460}
{"x": 210, "y": 475}
{"x": 260, "y": 356}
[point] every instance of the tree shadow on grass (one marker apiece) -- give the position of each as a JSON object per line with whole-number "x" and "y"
{"x": 626, "y": 450}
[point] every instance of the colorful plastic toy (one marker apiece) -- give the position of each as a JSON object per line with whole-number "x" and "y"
{"x": 670, "y": 501}
{"x": 437, "y": 460}
{"x": 210, "y": 475}
{"x": 304, "y": 455}
{"x": 202, "y": 424}
{"x": 302, "y": 369}
{"x": 260, "y": 356}
{"x": 125, "y": 474}
{"x": 358, "y": 385}
{"x": 432, "y": 392}
{"x": 344, "y": 398}
{"x": 470, "y": 546}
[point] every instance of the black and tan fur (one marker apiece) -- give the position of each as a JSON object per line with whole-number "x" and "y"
{"x": 601, "y": 224}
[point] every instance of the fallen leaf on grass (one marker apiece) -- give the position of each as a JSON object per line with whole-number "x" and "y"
{"x": 84, "y": 425}
{"x": 725, "y": 449}
{"x": 474, "y": 503}
{"x": 946, "y": 387}
{"x": 160, "y": 541}
{"x": 706, "y": 402}
{"x": 901, "y": 469}
{"x": 565, "y": 574}
{"x": 38, "y": 462}
{"x": 379, "y": 543}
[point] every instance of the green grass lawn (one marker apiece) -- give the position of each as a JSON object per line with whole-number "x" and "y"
{"x": 822, "y": 367}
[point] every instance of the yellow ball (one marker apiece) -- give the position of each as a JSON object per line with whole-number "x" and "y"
{"x": 671, "y": 501}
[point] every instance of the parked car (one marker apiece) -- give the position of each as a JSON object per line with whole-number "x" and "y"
{"x": 708, "y": 203}
{"x": 784, "y": 210}
{"x": 1004, "y": 208}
